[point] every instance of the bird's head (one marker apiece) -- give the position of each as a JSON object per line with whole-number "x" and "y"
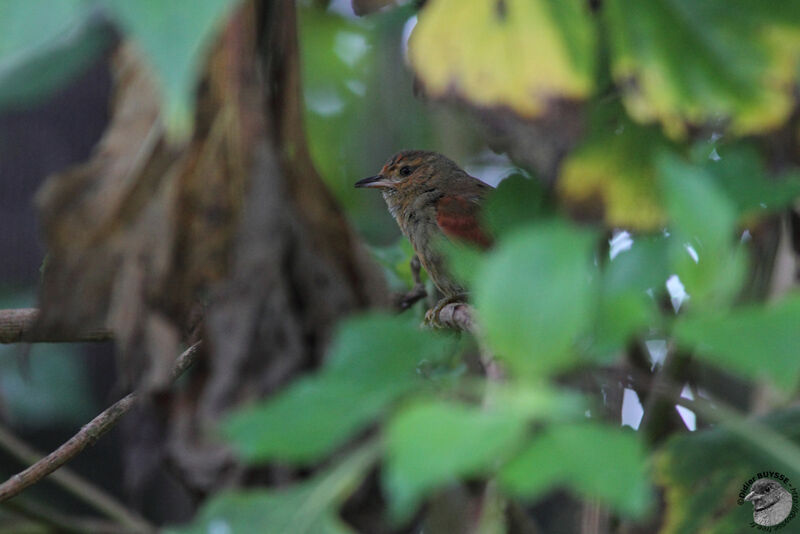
{"x": 411, "y": 172}
{"x": 764, "y": 493}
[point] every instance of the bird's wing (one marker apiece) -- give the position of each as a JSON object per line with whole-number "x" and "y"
{"x": 458, "y": 216}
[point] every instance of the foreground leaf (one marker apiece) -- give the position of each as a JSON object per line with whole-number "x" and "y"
{"x": 739, "y": 171}
{"x": 44, "y": 45}
{"x": 174, "y": 37}
{"x": 517, "y": 201}
{"x": 514, "y": 53}
{"x": 432, "y": 444}
{"x": 535, "y": 296}
{"x": 372, "y": 362}
{"x": 309, "y": 507}
{"x": 703, "y": 220}
{"x": 594, "y": 460}
{"x": 734, "y": 340}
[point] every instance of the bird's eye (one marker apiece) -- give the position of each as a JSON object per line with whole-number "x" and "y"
{"x": 767, "y": 489}
{"x": 405, "y": 171}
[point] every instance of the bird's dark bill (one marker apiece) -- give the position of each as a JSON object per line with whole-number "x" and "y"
{"x": 373, "y": 181}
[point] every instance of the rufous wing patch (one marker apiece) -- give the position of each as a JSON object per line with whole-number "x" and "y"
{"x": 459, "y": 219}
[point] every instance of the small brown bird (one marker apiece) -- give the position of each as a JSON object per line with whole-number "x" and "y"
{"x": 430, "y": 196}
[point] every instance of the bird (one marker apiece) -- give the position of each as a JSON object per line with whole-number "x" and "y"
{"x": 772, "y": 503}
{"x": 431, "y": 198}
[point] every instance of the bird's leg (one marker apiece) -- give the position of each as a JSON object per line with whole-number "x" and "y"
{"x": 408, "y": 299}
{"x": 432, "y": 315}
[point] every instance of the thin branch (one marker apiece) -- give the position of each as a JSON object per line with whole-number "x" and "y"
{"x": 86, "y": 435}
{"x": 458, "y": 315}
{"x": 19, "y": 326}
{"x": 59, "y": 522}
{"x": 74, "y": 484}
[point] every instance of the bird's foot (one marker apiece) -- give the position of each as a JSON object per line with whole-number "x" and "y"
{"x": 432, "y": 315}
{"x": 403, "y": 301}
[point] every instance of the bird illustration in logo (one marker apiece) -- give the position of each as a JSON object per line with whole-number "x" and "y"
{"x": 772, "y": 503}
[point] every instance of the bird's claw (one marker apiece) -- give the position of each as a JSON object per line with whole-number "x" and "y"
{"x": 404, "y": 301}
{"x": 432, "y": 316}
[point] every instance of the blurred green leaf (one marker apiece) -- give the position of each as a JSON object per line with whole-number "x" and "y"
{"x": 51, "y": 386}
{"x": 739, "y": 171}
{"x": 515, "y": 53}
{"x": 54, "y": 390}
{"x": 633, "y": 281}
{"x": 704, "y": 472}
{"x": 535, "y": 295}
{"x": 684, "y": 63}
{"x": 536, "y": 401}
{"x": 699, "y": 210}
{"x": 595, "y": 460}
{"x": 395, "y": 260}
{"x": 44, "y": 45}
{"x": 703, "y": 218}
{"x": 464, "y": 260}
{"x": 643, "y": 267}
{"x": 309, "y": 507}
{"x": 373, "y": 360}
{"x": 434, "y": 443}
{"x": 517, "y": 201}
{"x": 620, "y": 318}
{"x": 175, "y": 38}
{"x": 758, "y": 342}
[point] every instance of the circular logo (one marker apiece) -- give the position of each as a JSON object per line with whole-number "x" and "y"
{"x": 774, "y": 500}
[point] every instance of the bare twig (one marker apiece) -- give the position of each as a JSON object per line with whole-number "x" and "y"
{"x": 19, "y": 326}
{"x": 458, "y": 315}
{"x": 59, "y": 522}
{"x": 85, "y": 436}
{"x": 76, "y": 485}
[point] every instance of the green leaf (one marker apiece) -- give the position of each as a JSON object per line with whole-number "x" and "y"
{"x": 595, "y": 460}
{"x": 620, "y": 317}
{"x": 704, "y": 219}
{"x": 536, "y": 401}
{"x": 754, "y": 341}
{"x": 464, "y": 260}
{"x": 175, "y": 37}
{"x": 641, "y": 268}
{"x": 373, "y": 361}
{"x": 739, "y": 171}
{"x": 44, "y": 45}
{"x": 517, "y": 201}
{"x": 698, "y": 209}
{"x": 517, "y": 53}
{"x": 431, "y": 444}
{"x": 309, "y": 507}
{"x": 633, "y": 281}
{"x": 683, "y": 62}
{"x": 395, "y": 260}
{"x": 535, "y": 296}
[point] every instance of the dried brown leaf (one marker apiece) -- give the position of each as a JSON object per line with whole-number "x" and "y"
{"x": 137, "y": 234}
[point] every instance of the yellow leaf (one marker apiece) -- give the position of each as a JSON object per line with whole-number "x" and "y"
{"x": 514, "y": 53}
{"x": 613, "y": 170}
{"x": 683, "y": 63}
